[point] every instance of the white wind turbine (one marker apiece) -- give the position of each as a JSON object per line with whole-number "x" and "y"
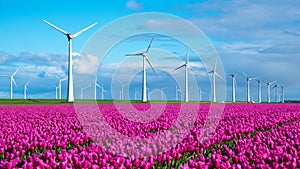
{"x": 162, "y": 93}
{"x": 59, "y": 84}
{"x": 214, "y": 72}
{"x": 56, "y": 92}
{"x": 276, "y": 92}
{"x": 81, "y": 90}
{"x": 233, "y": 76}
{"x": 282, "y": 94}
{"x": 145, "y": 59}
{"x": 12, "y": 80}
{"x": 26, "y": 90}
{"x": 177, "y": 90}
{"x": 187, "y": 67}
{"x": 70, "y": 97}
{"x": 102, "y": 92}
{"x": 269, "y": 90}
{"x": 248, "y": 86}
{"x": 259, "y": 90}
{"x": 200, "y": 94}
{"x": 95, "y": 88}
{"x": 122, "y": 90}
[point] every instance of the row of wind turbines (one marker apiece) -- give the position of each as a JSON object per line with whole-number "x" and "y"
{"x": 144, "y": 54}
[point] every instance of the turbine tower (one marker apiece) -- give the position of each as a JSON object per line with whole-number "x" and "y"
{"x": 200, "y": 95}
{"x": 214, "y": 72}
{"x": 269, "y": 90}
{"x": 162, "y": 93}
{"x": 26, "y": 90}
{"x": 145, "y": 59}
{"x": 12, "y": 80}
{"x": 81, "y": 90}
{"x": 248, "y": 86}
{"x": 70, "y": 97}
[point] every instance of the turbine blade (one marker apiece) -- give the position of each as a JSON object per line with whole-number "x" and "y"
{"x": 187, "y": 55}
{"x": 179, "y": 67}
{"x": 220, "y": 76}
{"x": 83, "y": 30}
{"x": 150, "y": 64}
{"x": 215, "y": 68}
{"x": 27, "y": 83}
{"x": 57, "y": 28}
{"x": 244, "y": 74}
{"x": 13, "y": 80}
{"x": 193, "y": 70}
{"x": 149, "y": 45}
{"x": 135, "y": 54}
{"x": 15, "y": 72}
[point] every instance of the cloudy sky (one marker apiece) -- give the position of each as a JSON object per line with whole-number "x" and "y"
{"x": 261, "y": 38}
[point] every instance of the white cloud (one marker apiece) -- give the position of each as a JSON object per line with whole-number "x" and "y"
{"x": 132, "y": 4}
{"x": 87, "y": 64}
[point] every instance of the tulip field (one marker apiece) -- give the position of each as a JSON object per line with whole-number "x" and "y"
{"x": 247, "y": 136}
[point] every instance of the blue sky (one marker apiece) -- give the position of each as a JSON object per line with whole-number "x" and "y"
{"x": 260, "y": 37}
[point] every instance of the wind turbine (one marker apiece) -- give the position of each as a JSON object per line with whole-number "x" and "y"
{"x": 81, "y": 90}
{"x": 248, "y": 86}
{"x": 59, "y": 85}
{"x": 200, "y": 95}
{"x": 145, "y": 58}
{"x": 26, "y": 90}
{"x": 162, "y": 93}
{"x": 282, "y": 93}
{"x": 259, "y": 90}
{"x": 177, "y": 90}
{"x": 187, "y": 67}
{"x": 12, "y": 80}
{"x": 70, "y": 97}
{"x": 269, "y": 91}
{"x": 102, "y": 92}
{"x": 214, "y": 72}
{"x": 233, "y": 76}
{"x": 122, "y": 90}
{"x": 276, "y": 92}
{"x": 95, "y": 89}
{"x": 56, "y": 92}
{"x": 135, "y": 94}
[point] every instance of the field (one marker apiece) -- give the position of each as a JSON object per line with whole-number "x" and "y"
{"x": 57, "y": 136}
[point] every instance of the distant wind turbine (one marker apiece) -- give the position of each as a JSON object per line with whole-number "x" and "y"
{"x": 95, "y": 88}
{"x": 162, "y": 93}
{"x": 259, "y": 90}
{"x": 233, "y": 76}
{"x": 81, "y": 90}
{"x": 282, "y": 94}
{"x": 122, "y": 90}
{"x": 269, "y": 90}
{"x": 200, "y": 95}
{"x": 248, "y": 86}
{"x": 214, "y": 72}
{"x": 56, "y": 92}
{"x": 59, "y": 84}
{"x": 102, "y": 92}
{"x": 12, "y": 80}
{"x": 276, "y": 92}
{"x": 145, "y": 59}
{"x": 70, "y": 97}
{"x": 26, "y": 90}
{"x": 177, "y": 90}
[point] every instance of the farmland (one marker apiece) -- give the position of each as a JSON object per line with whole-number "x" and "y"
{"x": 247, "y": 136}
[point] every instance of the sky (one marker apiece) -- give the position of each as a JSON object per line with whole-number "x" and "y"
{"x": 260, "y": 38}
